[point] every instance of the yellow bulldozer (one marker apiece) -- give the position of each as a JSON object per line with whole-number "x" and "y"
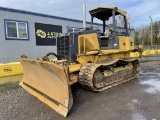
{"x": 97, "y": 60}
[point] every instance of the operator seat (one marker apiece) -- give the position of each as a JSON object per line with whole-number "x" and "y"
{"x": 106, "y": 33}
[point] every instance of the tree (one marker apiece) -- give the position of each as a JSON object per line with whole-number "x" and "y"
{"x": 156, "y": 31}
{"x": 143, "y": 34}
{"x": 137, "y": 35}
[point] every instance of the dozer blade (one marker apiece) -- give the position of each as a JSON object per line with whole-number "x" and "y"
{"x": 48, "y": 82}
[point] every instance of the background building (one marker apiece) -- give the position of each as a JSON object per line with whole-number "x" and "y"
{"x": 33, "y": 34}
{"x": 30, "y": 33}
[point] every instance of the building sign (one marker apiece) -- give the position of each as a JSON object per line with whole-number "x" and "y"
{"x": 46, "y": 34}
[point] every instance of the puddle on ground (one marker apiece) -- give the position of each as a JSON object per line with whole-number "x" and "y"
{"x": 154, "y": 85}
{"x": 137, "y": 116}
{"x": 152, "y": 75}
{"x": 136, "y": 113}
{"x": 135, "y": 101}
{"x": 145, "y": 72}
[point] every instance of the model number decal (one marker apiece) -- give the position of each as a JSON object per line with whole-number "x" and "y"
{"x": 7, "y": 69}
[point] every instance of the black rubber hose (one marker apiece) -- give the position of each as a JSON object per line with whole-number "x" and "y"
{"x": 45, "y": 58}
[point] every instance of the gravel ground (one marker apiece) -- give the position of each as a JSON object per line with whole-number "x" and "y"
{"x": 138, "y": 99}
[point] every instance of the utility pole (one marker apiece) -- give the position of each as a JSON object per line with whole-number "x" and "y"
{"x": 151, "y": 34}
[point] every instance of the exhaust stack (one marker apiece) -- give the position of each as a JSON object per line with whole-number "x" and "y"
{"x": 84, "y": 15}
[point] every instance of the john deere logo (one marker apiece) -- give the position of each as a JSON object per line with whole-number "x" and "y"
{"x": 41, "y": 33}
{"x": 7, "y": 69}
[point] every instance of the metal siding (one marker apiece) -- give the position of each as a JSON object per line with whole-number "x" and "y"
{"x": 10, "y": 50}
{"x": 42, "y": 15}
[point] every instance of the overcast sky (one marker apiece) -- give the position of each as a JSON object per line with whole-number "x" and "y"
{"x": 138, "y": 10}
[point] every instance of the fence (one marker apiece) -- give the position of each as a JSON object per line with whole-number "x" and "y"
{"x": 148, "y": 47}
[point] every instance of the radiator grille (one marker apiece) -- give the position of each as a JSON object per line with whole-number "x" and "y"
{"x": 104, "y": 42}
{"x": 63, "y": 47}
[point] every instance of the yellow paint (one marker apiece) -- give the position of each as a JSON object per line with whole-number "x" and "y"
{"x": 87, "y": 42}
{"x": 154, "y": 51}
{"x": 58, "y": 108}
{"x": 74, "y": 67}
{"x": 91, "y": 52}
{"x": 9, "y": 69}
{"x": 126, "y": 43}
{"x": 134, "y": 54}
{"x": 73, "y": 78}
{"x": 82, "y": 61}
{"x": 41, "y": 33}
{"x": 110, "y": 8}
{"x": 10, "y": 79}
{"x": 150, "y": 52}
{"x": 110, "y": 51}
{"x": 54, "y": 60}
{"x": 146, "y": 52}
{"x": 15, "y": 68}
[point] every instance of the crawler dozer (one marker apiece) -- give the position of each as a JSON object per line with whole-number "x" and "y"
{"x": 97, "y": 60}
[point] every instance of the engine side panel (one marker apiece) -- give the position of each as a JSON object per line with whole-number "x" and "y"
{"x": 126, "y": 43}
{"x": 67, "y": 45}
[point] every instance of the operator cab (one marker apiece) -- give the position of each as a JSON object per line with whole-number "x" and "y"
{"x": 114, "y": 25}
